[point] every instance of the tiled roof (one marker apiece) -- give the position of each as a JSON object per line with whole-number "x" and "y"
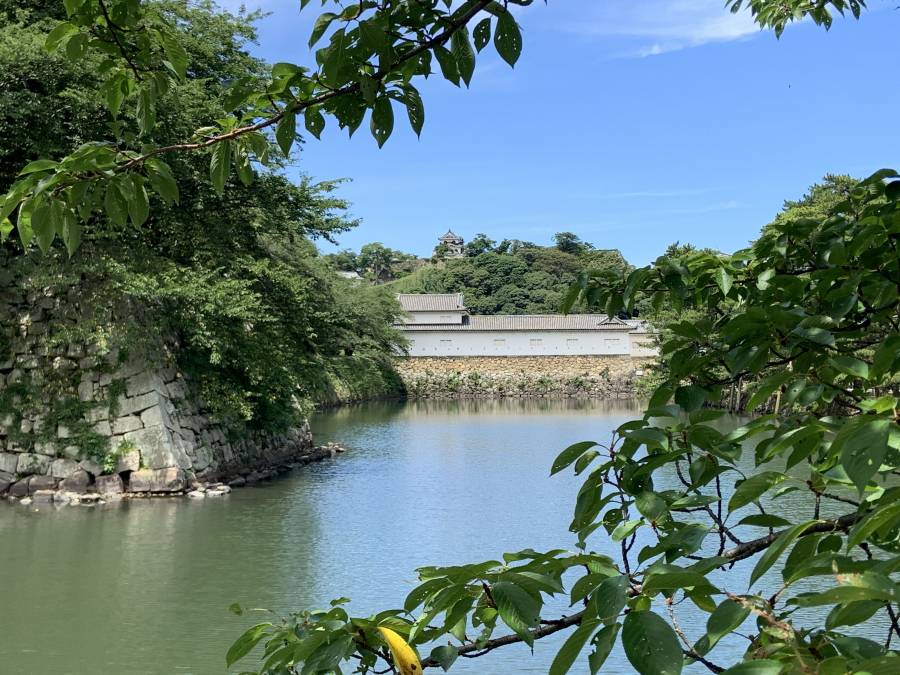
{"x": 431, "y": 302}
{"x": 450, "y": 236}
{"x": 479, "y": 322}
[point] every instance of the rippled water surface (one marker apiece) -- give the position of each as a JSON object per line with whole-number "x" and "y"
{"x": 144, "y": 587}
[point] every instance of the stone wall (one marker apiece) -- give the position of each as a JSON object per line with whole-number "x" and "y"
{"x": 521, "y": 376}
{"x": 75, "y": 419}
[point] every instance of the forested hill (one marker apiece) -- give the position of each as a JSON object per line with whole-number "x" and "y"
{"x": 512, "y": 277}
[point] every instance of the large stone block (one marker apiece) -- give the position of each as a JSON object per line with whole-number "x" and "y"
{"x": 127, "y": 423}
{"x": 145, "y": 382}
{"x": 136, "y": 404}
{"x": 29, "y": 464}
{"x": 157, "y": 480}
{"x": 103, "y": 428}
{"x": 91, "y": 466}
{"x": 130, "y": 461}
{"x": 63, "y": 468}
{"x": 79, "y": 481}
{"x": 9, "y": 462}
{"x": 158, "y": 448}
{"x": 48, "y": 449}
{"x": 41, "y": 483}
{"x": 20, "y": 488}
{"x": 109, "y": 485}
{"x": 6, "y": 479}
{"x": 156, "y": 416}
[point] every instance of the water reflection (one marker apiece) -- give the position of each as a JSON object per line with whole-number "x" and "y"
{"x": 144, "y": 588}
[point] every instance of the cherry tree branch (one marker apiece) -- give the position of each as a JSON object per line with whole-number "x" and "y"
{"x": 297, "y": 107}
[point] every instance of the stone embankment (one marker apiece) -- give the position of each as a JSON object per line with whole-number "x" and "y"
{"x": 522, "y": 376}
{"x": 79, "y": 424}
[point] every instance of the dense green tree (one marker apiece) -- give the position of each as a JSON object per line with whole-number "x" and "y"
{"x": 569, "y": 242}
{"x": 203, "y": 270}
{"x": 479, "y": 244}
{"x": 535, "y": 279}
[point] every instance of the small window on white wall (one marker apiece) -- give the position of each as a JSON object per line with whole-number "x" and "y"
{"x": 446, "y": 343}
{"x": 571, "y": 342}
{"x": 446, "y": 319}
{"x": 535, "y": 342}
{"x": 499, "y": 342}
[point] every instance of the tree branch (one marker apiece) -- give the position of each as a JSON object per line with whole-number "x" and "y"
{"x": 473, "y": 649}
{"x": 294, "y": 108}
{"x": 750, "y": 548}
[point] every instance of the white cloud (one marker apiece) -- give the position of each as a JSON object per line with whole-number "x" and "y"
{"x": 653, "y": 27}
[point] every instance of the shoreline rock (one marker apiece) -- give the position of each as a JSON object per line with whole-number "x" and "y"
{"x": 154, "y": 483}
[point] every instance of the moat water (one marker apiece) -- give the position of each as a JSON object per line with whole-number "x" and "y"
{"x": 143, "y": 588}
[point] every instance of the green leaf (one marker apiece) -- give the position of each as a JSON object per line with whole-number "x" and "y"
{"x": 766, "y": 388}
{"x": 162, "y": 180}
{"x": 246, "y": 642}
{"x": 851, "y": 366}
{"x": 58, "y": 34}
{"x": 6, "y": 227}
{"x": 569, "y": 455}
{"x": 447, "y": 63}
{"x": 71, "y": 234}
{"x": 368, "y": 87}
{"x": 146, "y": 109}
{"x": 415, "y": 109}
{"x": 315, "y": 121}
{"x": 752, "y": 488}
{"x": 853, "y": 588}
{"x": 508, "y": 38}
{"x": 603, "y": 644}
{"x": 139, "y": 204}
{"x": 624, "y": 529}
{"x": 779, "y": 546}
{"x": 23, "y": 223}
{"x": 723, "y": 280}
{"x": 321, "y": 25}
{"x": 756, "y": 667}
{"x": 382, "y": 123}
{"x": 691, "y": 397}
{"x": 764, "y": 520}
{"x": 43, "y": 225}
{"x": 852, "y": 613}
{"x": 572, "y": 647}
{"x": 609, "y": 599}
{"x": 885, "y": 518}
{"x": 518, "y": 609}
{"x": 38, "y": 165}
{"x": 286, "y": 132}
{"x": 481, "y": 35}
{"x": 651, "y": 645}
{"x": 725, "y": 619}
{"x": 445, "y": 655}
{"x": 650, "y": 505}
{"x": 815, "y": 334}
{"x": 463, "y": 53}
{"x": 863, "y": 447}
{"x": 583, "y": 587}
{"x": 175, "y": 53}
{"x": 670, "y": 581}
{"x": 220, "y": 165}
{"x": 335, "y": 64}
{"x": 76, "y": 46}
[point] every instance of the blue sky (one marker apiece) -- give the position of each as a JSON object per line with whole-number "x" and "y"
{"x": 633, "y": 124}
